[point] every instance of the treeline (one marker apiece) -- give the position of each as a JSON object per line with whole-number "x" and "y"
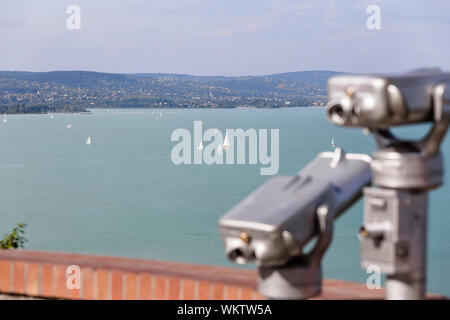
{"x": 37, "y": 109}
{"x": 93, "y": 89}
{"x": 154, "y": 102}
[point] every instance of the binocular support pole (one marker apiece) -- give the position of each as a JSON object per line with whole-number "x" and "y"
{"x": 406, "y": 286}
{"x": 393, "y": 238}
{"x": 394, "y": 234}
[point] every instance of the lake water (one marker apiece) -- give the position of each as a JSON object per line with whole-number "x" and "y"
{"x": 123, "y": 196}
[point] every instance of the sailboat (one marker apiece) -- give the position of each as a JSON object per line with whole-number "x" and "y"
{"x": 226, "y": 142}
{"x": 200, "y": 146}
{"x": 69, "y": 125}
{"x": 4, "y": 119}
{"x": 332, "y": 143}
{"x": 89, "y": 141}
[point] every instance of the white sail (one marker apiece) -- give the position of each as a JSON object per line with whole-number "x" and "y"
{"x": 200, "y": 146}
{"x": 226, "y": 142}
{"x": 332, "y": 143}
{"x": 89, "y": 141}
{"x": 4, "y": 119}
{"x": 69, "y": 125}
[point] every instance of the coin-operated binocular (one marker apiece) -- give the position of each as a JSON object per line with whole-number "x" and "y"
{"x": 286, "y": 225}
{"x": 275, "y": 225}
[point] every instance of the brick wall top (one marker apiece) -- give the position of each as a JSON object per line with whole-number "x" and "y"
{"x": 163, "y": 268}
{"x": 44, "y": 274}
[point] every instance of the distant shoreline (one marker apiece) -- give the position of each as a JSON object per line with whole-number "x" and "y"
{"x": 86, "y": 111}
{"x": 89, "y": 110}
{"x": 21, "y": 92}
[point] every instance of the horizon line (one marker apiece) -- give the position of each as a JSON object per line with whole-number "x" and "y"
{"x": 181, "y": 74}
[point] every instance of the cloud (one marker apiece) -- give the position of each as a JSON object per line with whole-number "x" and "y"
{"x": 201, "y": 36}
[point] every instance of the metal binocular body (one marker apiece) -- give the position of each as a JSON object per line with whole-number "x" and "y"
{"x": 286, "y": 225}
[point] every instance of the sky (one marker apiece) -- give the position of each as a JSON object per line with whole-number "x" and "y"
{"x": 224, "y": 37}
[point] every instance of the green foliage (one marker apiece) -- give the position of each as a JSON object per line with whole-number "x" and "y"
{"x": 23, "y": 108}
{"x": 74, "y": 91}
{"x": 15, "y": 239}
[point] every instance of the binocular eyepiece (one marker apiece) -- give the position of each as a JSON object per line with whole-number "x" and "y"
{"x": 380, "y": 102}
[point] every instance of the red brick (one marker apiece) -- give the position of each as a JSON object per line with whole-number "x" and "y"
{"x": 73, "y": 291}
{"x": 47, "y": 287}
{"x": 257, "y": 296}
{"x": 174, "y": 288}
{"x": 5, "y": 275}
{"x": 88, "y": 284}
{"x": 217, "y": 291}
{"x": 159, "y": 287}
{"x": 232, "y": 293}
{"x": 145, "y": 286}
{"x": 116, "y": 285}
{"x": 197, "y": 281}
{"x": 19, "y": 277}
{"x": 102, "y": 284}
{"x": 247, "y": 294}
{"x": 188, "y": 289}
{"x": 61, "y": 282}
{"x": 32, "y": 285}
{"x": 203, "y": 290}
{"x": 131, "y": 286}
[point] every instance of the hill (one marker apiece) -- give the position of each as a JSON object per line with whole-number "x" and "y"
{"x": 77, "y": 90}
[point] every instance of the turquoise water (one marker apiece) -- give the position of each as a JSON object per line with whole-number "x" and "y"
{"x": 123, "y": 196}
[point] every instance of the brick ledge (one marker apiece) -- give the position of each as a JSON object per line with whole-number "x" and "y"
{"x": 43, "y": 274}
